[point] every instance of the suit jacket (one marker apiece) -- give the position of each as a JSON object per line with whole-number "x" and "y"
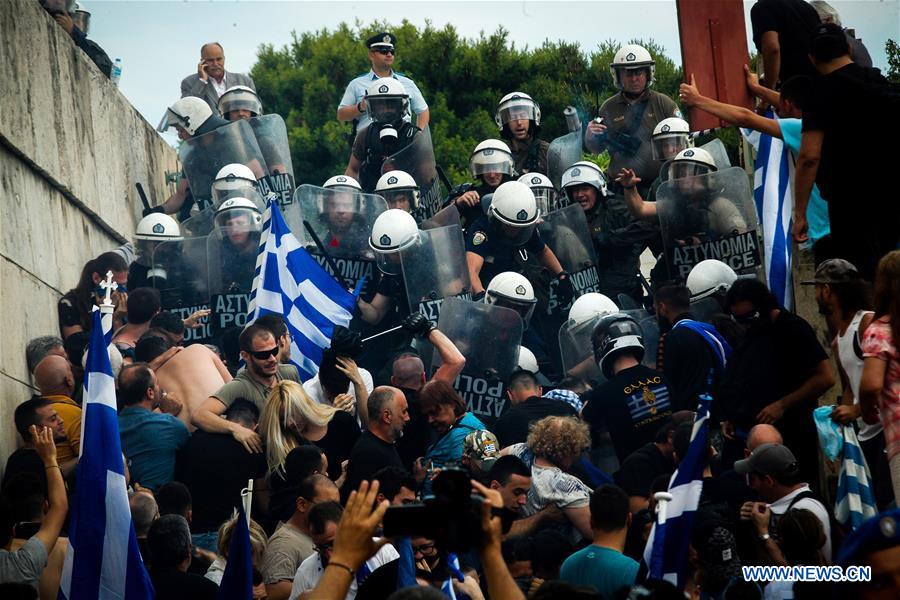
{"x": 192, "y": 85}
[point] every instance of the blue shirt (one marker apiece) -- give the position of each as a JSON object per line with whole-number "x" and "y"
{"x": 150, "y": 441}
{"x": 356, "y": 91}
{"x": 449, "y": 447}
{"x": 603, "y": 569}
{"x": 817, "y": 209}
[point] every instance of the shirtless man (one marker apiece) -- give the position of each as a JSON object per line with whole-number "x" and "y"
{"x": 190, "y": 374}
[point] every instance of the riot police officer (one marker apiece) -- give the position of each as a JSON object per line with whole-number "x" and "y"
{"x": 518, "y": 117}
{"x": 491, "y": 164}
{"x": 235, "y": 181}
{"x": 628, "y": 118}
{"x": 618, "y": 238}
{"x": 399, "y": 189}
{"x": 239, "y": 223}
{"x": 509, "y": 233}
{"x": 151, "y": 231}
{"x": 339, "y": 213}
{"x": 545, "y": 192}
{"x": 387, "y": 103}
{"x": 394, "y": 231}
{"x": 240, "y": 102}
{"x": 512, "y": 290}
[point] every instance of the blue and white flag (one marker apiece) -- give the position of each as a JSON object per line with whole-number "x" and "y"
{"x": 289, "y": 282}
{"x": 237, "y": 580}
{"x": 103, "y": 560}
{"x": 455, "y": 573}
{"x": 665, "y": 555}
{"x": 772, "y": 190}
{"x": 854, "y": 500}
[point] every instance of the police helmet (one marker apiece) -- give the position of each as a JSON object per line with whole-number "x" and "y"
{"x": 517, "y": 106}
{"x": 240, "y": 97}
{"x": 544, "y": 191}
{"x": 513, "y": 204}
{"x": 527, "y": 361}
{"x": 386, "y": 100}
{"x": 692, "y": 162}
{"x": 590, "y": 305}
{"x": 512, "y": 290}
{"x": 491, "y": 156}
{"x": 398, "y": 183}
{"x": 158, "y": 227}
{"x": 670, "y": 136}
{"x": 710, "y": 277}
{"x": 189, "y": 113}
{"x": 632, "y": 56}
{"x": 81, "y": 17}
{"x": 393, "y": 231}
{"x": 234, "y": 207}
{"x": 613, "y": 335}
{"x": 342, "y": 182}
{"x": 584, "y": 173}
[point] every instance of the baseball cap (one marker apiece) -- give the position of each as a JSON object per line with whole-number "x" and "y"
{"x": 482, "y": 447}
{"x": 834, "y": 270}
{"x": 774, "y": 460}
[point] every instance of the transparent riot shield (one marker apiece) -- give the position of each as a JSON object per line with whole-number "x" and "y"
{"x": 489, "y": 337}
{"x": 417, "y": 159}
{"x": 231, "y": 259}
{"x": 717, "y": 150}
{"x": 564, "y": 151}
{"x": 342, "y": 221}
{"x": 566, "y": 232}
{"x": 203, "y": 156}
{"x": 200, "y": 223}
{"x": 178, "y": 270}
{"x": 435, "y": 269}
{"x": 576, "y": 349}
{"x": 442, "y": 218}
{"x": 706, "y": 309}
{"x": 271, "y": 135}
{"x": 709, "y": 216}
{"x": 650, "y": 334}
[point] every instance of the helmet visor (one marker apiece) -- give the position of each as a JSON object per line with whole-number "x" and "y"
{"x": 517, "y": 110}
{"x": 240, "y": 101}
{"x": 169, "y": 119}
{"x": 525, "y": 309}
{"x": 238, "y": 221}
{"x": 683, "y": 169}
{"x": 402, "y": 198}
{"x": 546, "y": 199}
{"x": 387, "y": 109}
{"x": 389, "y": 262}
{"x": 491, "y": 160}
{"x": 509, "y": 235}
{"x": 667, "y": 145}
{"x": 82, "y": 20}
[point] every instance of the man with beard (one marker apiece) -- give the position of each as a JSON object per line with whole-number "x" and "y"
{"x": 628, "y": 118}
{"x": 259, "y": 351}
{"x": 38, "y": 412}
{"x": 689, "y": 352}
{"x": 775, "y": 374}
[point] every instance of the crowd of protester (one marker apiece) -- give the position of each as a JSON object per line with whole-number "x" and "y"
{"x": 558, "y": 496}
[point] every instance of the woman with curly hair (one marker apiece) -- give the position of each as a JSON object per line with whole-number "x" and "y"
{"x": 554, "y": 444}
{"x": 445, "y": 412}
{"x": 879, "y": 387}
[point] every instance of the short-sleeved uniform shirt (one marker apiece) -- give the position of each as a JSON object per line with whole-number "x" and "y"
{"x": 878, "y": 342}
{"x": 244, "y": 386}
{"x": 356, "y": 91}
{"x": 499, "y": 256}
{"x": 795, "y": 22}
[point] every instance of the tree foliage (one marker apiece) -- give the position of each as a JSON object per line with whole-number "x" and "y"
{"x": 892, "y": 49}
{"x": 462, "y": 81}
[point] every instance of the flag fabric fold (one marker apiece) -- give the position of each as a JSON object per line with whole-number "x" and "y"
{"x": 289, "y": 282}
{"x": 772, "y": 180}
{"x": 103, "y": 560}
{"x": 237, "y": 580}
{"x": 665, "y": 555}
{"x": 854, "y": 500}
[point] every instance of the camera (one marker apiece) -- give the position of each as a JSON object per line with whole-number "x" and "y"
{"x": 451, "y": 516}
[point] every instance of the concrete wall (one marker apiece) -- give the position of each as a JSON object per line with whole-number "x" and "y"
{"x": 71, "y": 150}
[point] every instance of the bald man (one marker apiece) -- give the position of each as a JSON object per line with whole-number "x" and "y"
{"x": 762, "y": 434}
{"x": 53, "y": 377}
{"x": 189, "y": 375}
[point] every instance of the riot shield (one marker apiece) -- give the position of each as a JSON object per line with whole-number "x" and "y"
{"x": 200, "y": 223}
{"x": 442, "y": 218}
{"x": 435, "y": 269}
{"x": 709, "y": 216}
{"x": 563, "y": 152}
{"x": 342, "y": 221}
{"x": 576, "y": 349}
{"x": 178, "y": 271}
{"x": 271, "y": 135}
{"x": 231, "y": 259}
{"x": 566, "y": 232}
{"x": 204, "y": 155}
{"x": 417, "y": 159}
{"x": 650, "y": 334}
{"x": 489, "y": 337}
{"x": 717, "y": 150}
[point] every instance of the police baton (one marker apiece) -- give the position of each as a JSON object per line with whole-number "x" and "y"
{"x": 144, "y": 201}
{"x": 385, "y": 332}
{"x": 334, "y": 270}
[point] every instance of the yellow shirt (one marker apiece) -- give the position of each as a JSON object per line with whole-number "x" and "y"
{"x": 70, "y": 412}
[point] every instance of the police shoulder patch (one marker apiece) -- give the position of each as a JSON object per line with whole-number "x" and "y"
{"x": 479, "y": 238}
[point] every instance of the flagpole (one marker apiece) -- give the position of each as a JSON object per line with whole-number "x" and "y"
{"x": 321, "y": 247}
{"x": 247, "y": 499}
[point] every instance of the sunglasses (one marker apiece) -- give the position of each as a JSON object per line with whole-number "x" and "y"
{"x": 265, "y": 354}
{"x": 385, "y": 51}
{"x": 746, "y": 318}
{"x": 423, "y": 549}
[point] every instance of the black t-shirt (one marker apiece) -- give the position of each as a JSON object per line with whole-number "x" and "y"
{"x": 686, "y": 360}
{"x": 338, "y": 442}
{"x": 417, "y": 435}
{"x": 215, "y": 467}
{"x": 632, "y": 406}
{"x": 795, "y": 21}
{"x": 772, "y": 360}
{"x": 67, "y": 310}
{"x": 640, "y": 469}
{"x": 172, "y": 584}
{"x": 369, "y": 455}
{"x": 512, "y": 427}
{"x": 24, "y": 461}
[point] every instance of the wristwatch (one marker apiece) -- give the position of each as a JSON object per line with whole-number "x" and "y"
{"x": 765, "y": 537}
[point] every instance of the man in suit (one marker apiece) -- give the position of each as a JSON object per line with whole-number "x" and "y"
{"x": 211, "y": 79}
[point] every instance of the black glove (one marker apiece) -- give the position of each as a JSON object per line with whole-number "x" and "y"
{"x": 478, "y": 297}
{"x": 155, "y": 209}
{"x": 418, "y": 325}
{"x": 345, "y": 342}
{"x": 564, "y": 290}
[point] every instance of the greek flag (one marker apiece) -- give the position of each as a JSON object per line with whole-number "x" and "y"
{"x": 455, "y": 573}
{"x": 406, "y": 570}
{"x": 666, "y": 551}
{"x": 854, "y": 501}
{"x": 103, "y": 560}
{"x": 289, "y": 282}
{"x": 772, "y": 179}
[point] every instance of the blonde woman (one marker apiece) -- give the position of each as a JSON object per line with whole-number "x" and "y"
{"x": 258, "y": 543}
{"x": 291, "y": 418}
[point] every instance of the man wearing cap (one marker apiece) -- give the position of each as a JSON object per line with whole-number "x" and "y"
{"x": 381, "y": 54}
{"x": 480, "y": 451}
{"x": 211, "y": 79}
{"x": 528, "y": 406}
{"x": 774, "y": 474}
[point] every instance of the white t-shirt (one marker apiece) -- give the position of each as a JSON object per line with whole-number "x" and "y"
{"x": 314, "y": 389}
{"x": 780, "y": 507}
{"x": 852, "y": 363}
{"x": 310, "y": 571}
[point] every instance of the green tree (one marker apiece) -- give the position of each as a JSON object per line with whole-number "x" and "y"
{"x": 892, "y": 49}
